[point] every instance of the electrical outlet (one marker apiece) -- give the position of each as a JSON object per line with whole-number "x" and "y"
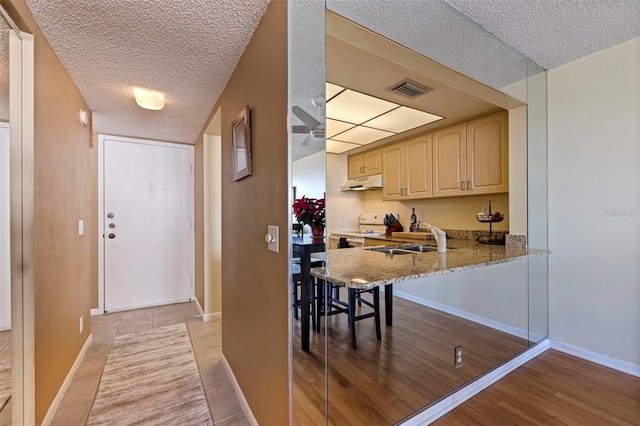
{"x": 81, "y": 323}
{"x": 457, "y": 356}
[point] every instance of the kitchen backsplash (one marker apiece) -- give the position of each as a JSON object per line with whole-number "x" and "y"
{"x": 445, "y": 213}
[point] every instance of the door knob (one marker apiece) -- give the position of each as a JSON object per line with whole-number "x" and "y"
{"x": 112, "y": 235}
{"x": 112, "y": 225}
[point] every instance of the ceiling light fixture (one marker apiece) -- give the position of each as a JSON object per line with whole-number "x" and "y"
{"x": 149, "y": 99}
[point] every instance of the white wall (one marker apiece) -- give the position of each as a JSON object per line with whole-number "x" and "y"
{"x": 308, "y": 176}
{"x": 5, "y": 229}
{"x": 594, "y": 202}
{"x": 343, "y": 208}
{"x": 495, "y": 295}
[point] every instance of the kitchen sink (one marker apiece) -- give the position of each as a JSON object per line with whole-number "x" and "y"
{"x": 419, "y": 248}
{"x": 403, "y": 249}
{"x": 389, "y": 250}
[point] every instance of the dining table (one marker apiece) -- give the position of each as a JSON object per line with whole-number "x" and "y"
{"x": 303, "y": 246}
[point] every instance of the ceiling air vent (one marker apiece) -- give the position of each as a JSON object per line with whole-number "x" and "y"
{"x": 409, "y": 89}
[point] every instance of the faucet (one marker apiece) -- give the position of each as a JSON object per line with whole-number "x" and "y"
{"x": 439, "y": 235}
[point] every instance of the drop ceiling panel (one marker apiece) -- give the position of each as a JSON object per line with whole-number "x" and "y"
{"x": 337, "y": 147}
{"x": 362, "y": 135}
{"x": 334, "y": 127}
{"x": 332, "y": 90}
{"x": 370, "y": 73}
{"x": 402, "y": 119}
{"x": 356, "y": 107}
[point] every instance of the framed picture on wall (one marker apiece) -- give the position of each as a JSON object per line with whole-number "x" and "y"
{"x": 241, "y": 134}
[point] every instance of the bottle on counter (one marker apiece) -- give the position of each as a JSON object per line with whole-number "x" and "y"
{"x": 414, "y": 221}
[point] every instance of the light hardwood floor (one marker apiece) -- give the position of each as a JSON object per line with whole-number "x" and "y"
{"x": 381, "y": 383}
{"x": 206, "y": 338}
{"x": 554, "y": 389}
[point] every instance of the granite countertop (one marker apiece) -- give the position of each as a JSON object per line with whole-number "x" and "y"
{"x": 364, "y": 269}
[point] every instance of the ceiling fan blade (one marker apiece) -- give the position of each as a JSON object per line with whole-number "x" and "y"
{"x": 300, "y": 129}
{"x": 306, "y": 118}
{"x": 308, "y": 140}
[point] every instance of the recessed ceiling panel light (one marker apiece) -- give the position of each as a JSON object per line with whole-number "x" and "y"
{"x": 337, "y": 147}
{"x": 332, "y": 90}
{"x": 362, "y": 135}
{"x": 149, "y": 99}
{"x": 334, "y": 127}
{"x": 402, "y": 119}
{"x": 355, "y": 107}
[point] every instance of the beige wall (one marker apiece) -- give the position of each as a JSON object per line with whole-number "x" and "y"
{"x": 594, "y": 202}
{"x": 254, "y": 281}
{"x": 62, "y": 258}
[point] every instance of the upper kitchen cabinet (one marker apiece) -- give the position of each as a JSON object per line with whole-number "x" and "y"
{"x": 488, "y": 154}
{"x": 365, "y": 164}
{"x": 407, "y": 169}
{"x": 472, "y": 158}
{"x": 449, "y": 161}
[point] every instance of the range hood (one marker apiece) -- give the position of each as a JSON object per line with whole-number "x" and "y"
{"x": 362, "y": 183}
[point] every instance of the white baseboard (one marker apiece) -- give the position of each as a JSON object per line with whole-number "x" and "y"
{"x": 447, "y": 404}
{"x": 211, "y": 317}
{"x": 67, "y": 382}
{"x": 496, "y": 325}
{"x": 147, "y": 305}
{"x": 96, "y": 311}
{"x": 607, "y": 361}
{"x": 241, "y": 399}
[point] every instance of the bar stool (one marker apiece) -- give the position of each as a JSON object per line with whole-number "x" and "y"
{"x": 334, "y": 305}
{"x": 296, "y": 282}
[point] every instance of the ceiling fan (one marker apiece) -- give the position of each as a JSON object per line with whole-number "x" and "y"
{"x": 312, "y": 127}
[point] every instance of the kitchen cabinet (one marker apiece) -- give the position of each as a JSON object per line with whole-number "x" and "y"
{"x": 472, "y": 158}
{"x": 364, "y": 164}
{"x": 406, "y": 169}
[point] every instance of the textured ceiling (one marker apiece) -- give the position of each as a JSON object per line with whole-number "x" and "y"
{"x": 554, "y": 32}
{"x": 189, "y": 48}
{"x": 186, "y": 49}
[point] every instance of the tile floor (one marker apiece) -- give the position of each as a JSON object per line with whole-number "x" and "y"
{"x": 206, "y": 338}
{"x": 5, "y": 376}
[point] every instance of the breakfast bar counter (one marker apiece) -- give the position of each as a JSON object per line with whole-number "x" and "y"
{"x": 363, "y": 268}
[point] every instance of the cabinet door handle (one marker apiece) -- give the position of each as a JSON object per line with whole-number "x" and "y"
{"x": 462, "y": 185}
{"x": 469, "y": 185}
{"x": 402, "y": 192}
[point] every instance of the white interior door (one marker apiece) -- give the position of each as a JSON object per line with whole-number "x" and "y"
{"x": 147, "y": 216}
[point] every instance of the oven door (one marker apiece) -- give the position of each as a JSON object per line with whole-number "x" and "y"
{"x": 342, "y": 241}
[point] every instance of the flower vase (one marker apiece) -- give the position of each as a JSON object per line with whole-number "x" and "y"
{"x": 317, "y": 232}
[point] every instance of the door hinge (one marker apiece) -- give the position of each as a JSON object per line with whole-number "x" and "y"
{"x": 190, "y": 168}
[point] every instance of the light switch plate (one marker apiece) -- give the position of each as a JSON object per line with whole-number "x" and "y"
{"x": 274, "y": 240}
{"x": 81, "y": 227}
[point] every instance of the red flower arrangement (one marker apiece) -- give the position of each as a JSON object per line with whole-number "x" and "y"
{"x": 310, "y": 211}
